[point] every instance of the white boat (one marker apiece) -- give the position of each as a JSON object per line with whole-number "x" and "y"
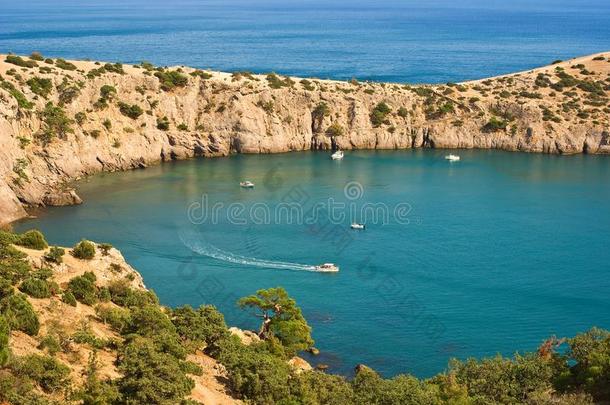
{"x": 338, "y": 155}
{"x": 452, "y": 158}
{"x": 327, "y": 268}
{"x": 246, "y": 184}
{"x": 357, "y": 226}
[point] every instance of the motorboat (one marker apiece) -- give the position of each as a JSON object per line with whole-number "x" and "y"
{"x": 327, "y": 268}
{"x": 246, "y": 184}
{"x": 357, "y": 226}
{"x": 338, "y": 155}
{"x": 452, "y": 158}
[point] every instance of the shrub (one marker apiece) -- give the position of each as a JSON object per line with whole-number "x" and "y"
{"x": 55, "y": 255}
{"x": 122, "y": 294}
{"x": 172, "y": 79}
{"x": 40, "y": 86}
{"x": 32, "y": 239}
{"x": 55, "y": 124}
{"x": 151, "y": 376}
{"x": 335, "y": 130}
{"x": 105, "y": 248}
{"x": 49, "y": 373}
{"x": 183, "y": 127}
{"x": 4, "y": 337}
{"x": 163, "y": 123}
{"x": 37, "y": 56}
{"x": 84, "y": 250}
{"x": 379, "y": 114}
{"x": 22, "y": 101}
{"x": 403, "y": 112}
{"x": 107, "y": 92}
{"x": 35, "y": 287}
{"x": 201, "y": 327}
{"x": 19, "y": 61}
{"x": 69, "y": 298}
{"x": 107, "y": 124}
{"x": 19, "y": 314}
{"x": 494, "y": 125}
{"x": 117, "y": 318}
{"x": 83, "y": 288}
{"x": 80, "y": 117}
{"x": 132, "y": 111}
{"x": 63, "y": 64}
{"x": 200, "y": 73}
{"x": 254, "y": 374}
{"x": 276, "y": 83}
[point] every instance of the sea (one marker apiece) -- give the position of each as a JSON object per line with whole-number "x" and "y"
{"x": 432, "y": 41}
{"x": 491, "y": 254}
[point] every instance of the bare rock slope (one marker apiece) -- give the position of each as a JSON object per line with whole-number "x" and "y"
{"x": 60, "y": 120}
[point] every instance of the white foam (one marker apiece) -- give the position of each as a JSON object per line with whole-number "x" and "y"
{"x": 206, "y": 249}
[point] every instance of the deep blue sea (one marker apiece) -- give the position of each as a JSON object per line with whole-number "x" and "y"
{"x": 488, "y": 255}
{"x": 400, "y": 41}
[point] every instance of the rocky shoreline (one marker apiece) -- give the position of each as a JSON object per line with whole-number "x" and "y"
{"x": 62, "y": 120}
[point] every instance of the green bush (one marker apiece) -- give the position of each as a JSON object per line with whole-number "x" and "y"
{"x": 83, "y": 288}
{"x": 201, "y": 327}
{"x": 105, "y": 248}
{"x": 335, "y": 129}
{"x": 63, "y": 64}
{"x": 254, "y": 374}
{"x": 35, "y": 287}
{"x": 4, "y": 337}
{"x": 49, "y": 373}
{"x": 84, "y": 250}
{"x": 379, "y": 114}
{"x": 117, "y": 318}
{"x": 151, "y": 376}
{"x": 37, "y": 56}
{"x": 22, "y": 101}
{"x": 40, "y": 86}
{"x": 56, "y": 124}
{"x": 494, "y": 125}
{"x": 32, "y": 239}
{"x": 132, "y": 111}
{"x": 122, "y": 294}
{"x": 163, "y": 124}
{"x": 19, "y": 61}
{"x": 19, "y": 313}
{"x": 171, "y": 79}
{"x": 55, "y": 255}
{"x": 69, "y": 298}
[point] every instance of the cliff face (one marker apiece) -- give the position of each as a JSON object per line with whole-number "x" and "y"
{"x": 63, "y": 120}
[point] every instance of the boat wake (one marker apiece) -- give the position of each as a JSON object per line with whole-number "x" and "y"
{"x": 206, "y": 249}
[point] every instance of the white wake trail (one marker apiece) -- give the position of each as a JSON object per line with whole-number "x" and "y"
{"x": 205, "y": 249}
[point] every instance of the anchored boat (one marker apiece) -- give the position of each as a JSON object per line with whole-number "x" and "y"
{"x": 338, "y": 155}
{"x": 452, "y": 158}
{"x": 246, "y": 184}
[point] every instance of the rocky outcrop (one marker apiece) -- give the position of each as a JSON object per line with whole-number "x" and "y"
{"x": 217, "y": 114}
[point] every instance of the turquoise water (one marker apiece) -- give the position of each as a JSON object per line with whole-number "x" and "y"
{"x": 394, "y": 40}
{"x": 490, "y": 254}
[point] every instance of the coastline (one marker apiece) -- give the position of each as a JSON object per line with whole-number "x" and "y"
{"x": 141, "y": 121}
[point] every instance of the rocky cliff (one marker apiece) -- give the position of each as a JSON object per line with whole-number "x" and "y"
{"x": 61, "y": 120}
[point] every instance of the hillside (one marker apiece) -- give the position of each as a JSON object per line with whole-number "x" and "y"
{"x": 77, "y": 326}
{"x": 61, "y": 120}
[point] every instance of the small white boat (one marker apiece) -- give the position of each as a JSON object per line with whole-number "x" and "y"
{"x": 357, "y": 226}
{"x": 452, "y": 158}
{"x": 327, "y": 268}
{"x": 246, "y": 184}
{"x": 338, "y": 155}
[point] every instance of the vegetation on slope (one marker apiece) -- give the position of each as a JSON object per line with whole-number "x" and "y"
{"x": 152, "y": 344}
